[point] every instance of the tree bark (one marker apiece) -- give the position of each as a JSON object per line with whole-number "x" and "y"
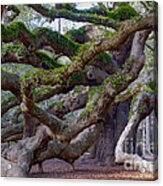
{"x": 142, "y": 107}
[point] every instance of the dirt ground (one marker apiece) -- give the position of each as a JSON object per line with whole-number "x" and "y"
{"x": 55, "y": 168}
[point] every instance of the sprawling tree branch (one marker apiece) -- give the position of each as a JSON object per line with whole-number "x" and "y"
{"x": 18, "y": 157}
{"x": 141, "y": 107}
{"x": 38, "y": 39}
{"x": 69, "y": 152}
{"x": 17, "y": 30}
{"x": 78, "y": 17}
{"x": 26, "y": 59}
{"x": 113, "y": 85}
{"x": 59, "y": 43}
{"x": 90, "y": 50}
{"x": 45, "y": 133}
{"x": 91, "y": 76}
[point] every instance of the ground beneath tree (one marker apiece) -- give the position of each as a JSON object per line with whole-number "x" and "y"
{"x": 55, "y": 168}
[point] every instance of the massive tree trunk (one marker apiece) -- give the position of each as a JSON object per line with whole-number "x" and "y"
{"x": 115, "y": 122}
{"x": 117, "y": 115}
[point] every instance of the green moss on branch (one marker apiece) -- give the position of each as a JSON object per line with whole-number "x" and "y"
{"x": 123, "y": 12}
{"x": 76, "y": 16}
{"x": 18, "y": 31}
{"x": 105, "y": 57}
{"x": 48, "y": 58}
{"x": 60, "y": 43}
{"x": 15, "y": 48}
{"x": 94, "y": 95}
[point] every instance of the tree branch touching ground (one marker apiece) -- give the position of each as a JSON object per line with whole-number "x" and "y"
{"x": 142, "y": 106}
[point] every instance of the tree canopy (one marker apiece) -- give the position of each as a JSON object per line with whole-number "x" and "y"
{"x": 64, "y": 68}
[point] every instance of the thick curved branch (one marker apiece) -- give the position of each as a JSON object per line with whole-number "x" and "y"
{"x": 105, "y": 98}
{"x": 78, "y": 17}
{"x": 28, "y": 107}
{"x": 69, "y": 103}
{"x": 112, "y": 86}
{"x": 38, "y": 39}
{"x": 59, "y": 42}
{"x": 89, "y": 77}
{"x": 128, "y": 93}
{"x": 17, "y": 30}
{"x": 142, "y": 107}
{"x": 69, "y": 152}
{"x": 26, "y": 59}
{"x": 90, "y": 50}
{"x": 38, "y": 59}
{"x": 18, "y": 157}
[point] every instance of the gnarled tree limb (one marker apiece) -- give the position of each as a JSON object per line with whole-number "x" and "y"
{"x": 141, "y": 108}
{"x": 78, "y": 17}
{"x": 89, "y": 51}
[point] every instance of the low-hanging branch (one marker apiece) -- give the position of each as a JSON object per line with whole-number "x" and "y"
{"x": 69, "y": 152}
{"x": 27, "y": 106}
{"x": 141, "y": 106}
{"x": 112, "y": 86}
{"x": 88, "y": 78}
{"x": 23, "y": 157}
{"x": 96, "y": 111}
